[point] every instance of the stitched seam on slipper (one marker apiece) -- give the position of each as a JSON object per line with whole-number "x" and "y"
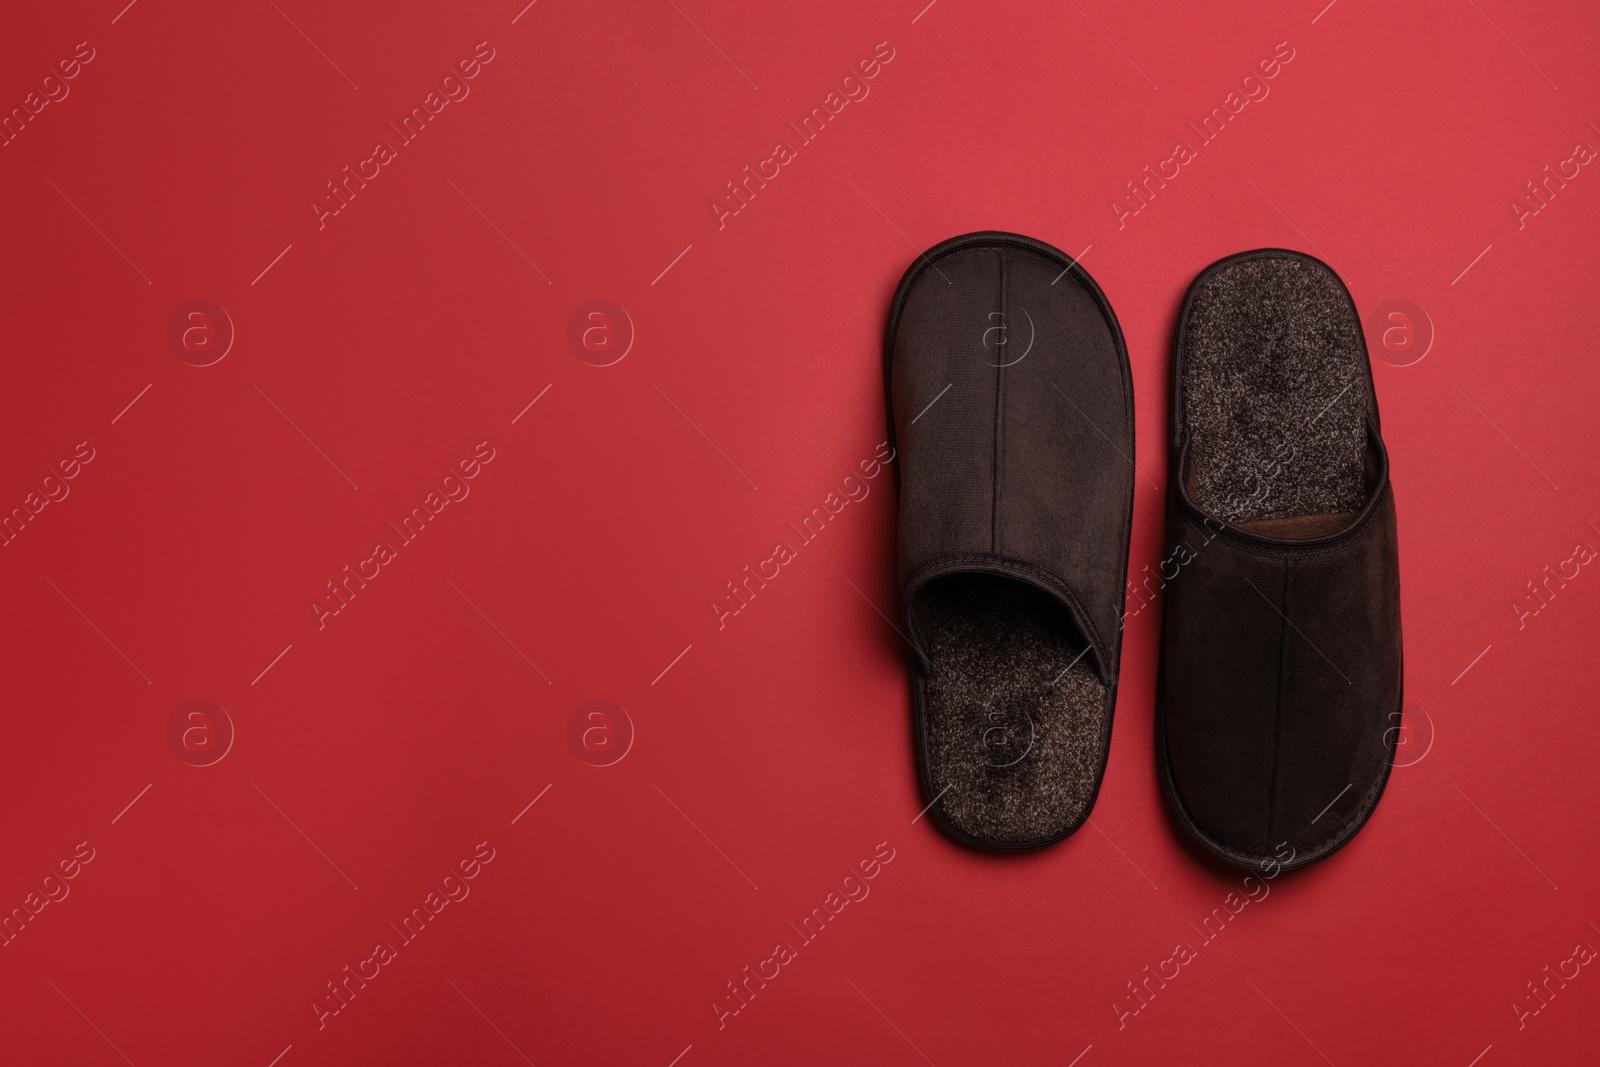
{"x": 998, "y": 446}
{"x": 1277, "y": 714}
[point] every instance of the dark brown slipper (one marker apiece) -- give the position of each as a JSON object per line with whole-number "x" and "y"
{"x": 1010, "y": 407}
{"x": 1280, "y": 664}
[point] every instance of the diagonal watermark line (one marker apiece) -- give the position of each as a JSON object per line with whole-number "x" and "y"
{"x": 924, "y": 11}
{"x": 524, "y": 11}
{"x": 99, "y": 631}
{"x": 1513, "y": 44}
{"x": 890, "y": 1021}
{"x": 490, "y": 1021}
{"x": 499, "y": 231}
{"x": 501, "y": 632}
{"x": 302, "y": 433}
{"x": 313, "y": 44}
{"x": 1502, "y": 833}
{"x": 531, "y": 803}
{"x": 1080, "y": 1056}
{"x": 702, "y": 433}
{"x": 1071, "y": 263}
{"x": 90, "y": 1021}
{"x": 673, "y": 664}
{"x": 1330, "y": 403}
{"x": 1113, "y": 44}
{"x": 101, "y": 232}
{"x": 1132, "y": 864}
{"x": 121, "y": 13}
{"x": 898, "y": 230}
{"x": 274, "y": 263}
{"x": 1297, "y": 630}
{"x": 280, "y": 1056}
{"x": 1474, "y": 262}
{"x": 1290, "y": 1021}
{"x": 532, "y": 402}
{"x": 1108, "y": 440}
{"x": 1473, "y": 664}
{"x": 932, "y": 402}
{"x": 132, "y": 402}
{"x": 302, "y": 833}
{"x": 674, "y": 263}
{"x": 1480, "y": 1056}
{"x": 703, "y": 834}
{"x": 131, "y": 803}
{"x": 713, "y": 44}
{"x": 1287, "y": 219}
{"x": 273, "y": 664}
{"x": 1334, "y": 801}
{"x": 881, "y": 615}
{"x": 1071, "y": 665}
{"x": 1324, "y": 11}
{"x": 680, "y": 1056}
{"x": 931, "y": 803}
{"x": 1502, "y": 433}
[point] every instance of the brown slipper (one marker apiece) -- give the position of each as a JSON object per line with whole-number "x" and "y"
{"x": 1010, "y": 408}
{"x": 1280, "y": 665}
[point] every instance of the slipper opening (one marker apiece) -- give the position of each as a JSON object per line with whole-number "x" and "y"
{"x": 1015, "y": 712}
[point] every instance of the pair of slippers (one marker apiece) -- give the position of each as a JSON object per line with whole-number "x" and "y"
{"x": 1011, "y": 411}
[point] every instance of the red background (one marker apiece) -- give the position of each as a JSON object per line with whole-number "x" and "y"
{"x": 774, "y": 753}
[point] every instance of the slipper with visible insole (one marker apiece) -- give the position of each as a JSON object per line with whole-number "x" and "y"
{"x": 1010, "y": 409}
{"x": 1280, "y": 692}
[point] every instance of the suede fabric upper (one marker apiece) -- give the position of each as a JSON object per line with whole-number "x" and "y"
{"x": 1025, "y": 458}
{"x": 1281, "y": 682}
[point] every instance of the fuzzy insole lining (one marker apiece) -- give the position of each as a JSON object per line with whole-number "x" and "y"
{"x": 1015, "y": 716}
{"x": 1275, "y": 396}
